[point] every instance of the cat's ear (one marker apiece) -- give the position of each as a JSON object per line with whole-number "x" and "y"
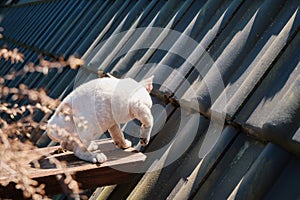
{"x": 148, "y": 83}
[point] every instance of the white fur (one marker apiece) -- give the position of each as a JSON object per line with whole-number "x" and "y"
{"x": 100, "y": 105}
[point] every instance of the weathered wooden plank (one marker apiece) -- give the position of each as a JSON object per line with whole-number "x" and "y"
{"x": 88, "y": 175}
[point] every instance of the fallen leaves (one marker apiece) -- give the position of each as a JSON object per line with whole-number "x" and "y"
{"x": 13, "y": 55}
{"x": 18, "y": 106}
{"x": 44, "y": 66}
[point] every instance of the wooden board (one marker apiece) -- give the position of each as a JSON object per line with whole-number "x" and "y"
{"x": 87, "y": 174}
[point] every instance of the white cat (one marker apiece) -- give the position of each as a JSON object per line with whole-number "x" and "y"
{"x": 97, "y": 106}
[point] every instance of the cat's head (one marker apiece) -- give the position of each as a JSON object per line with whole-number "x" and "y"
{"x": 127, "y": 94}
{"x": 141, "y": 93}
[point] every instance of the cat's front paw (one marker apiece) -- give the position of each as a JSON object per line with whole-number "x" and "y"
{"x": 98, "y": 157}
{"x": 124, "y": 145}
{"x": 127, "y": 144}
{"x": 145, "y": 135}
{"x": 144, "y": 141}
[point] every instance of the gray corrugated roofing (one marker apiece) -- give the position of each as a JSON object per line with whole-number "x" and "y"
{"x": 253, "y": 44}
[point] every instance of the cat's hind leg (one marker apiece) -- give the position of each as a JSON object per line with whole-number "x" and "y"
{"x": 72, "y": 143}
{"x": 68, "y": 139}
{"x": 93, "y": 146}
{"x": 81, "y": 151}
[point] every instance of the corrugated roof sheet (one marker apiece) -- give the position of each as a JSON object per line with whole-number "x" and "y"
{"x": 246, "y": 52}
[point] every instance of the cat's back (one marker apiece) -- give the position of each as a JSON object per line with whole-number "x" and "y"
{"x": 86, "y": 96}
{"x": 87, "y": 91}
